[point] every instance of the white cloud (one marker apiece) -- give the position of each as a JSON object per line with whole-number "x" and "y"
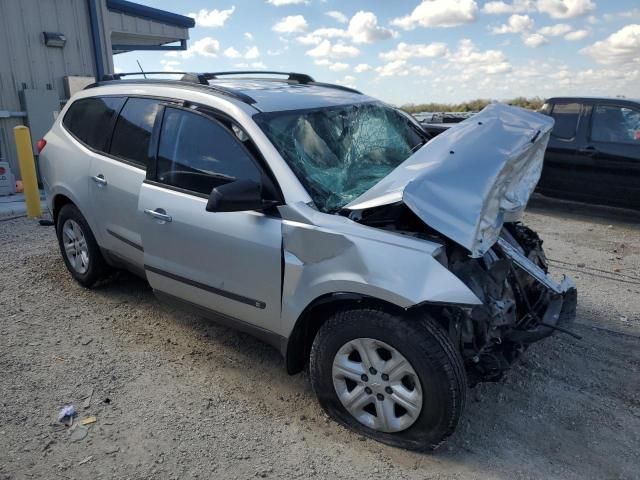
{"x": 315, "y": 37}
{"x": 364, "y": 28}
{"x": 207, "y": 47}
{"x": 577, "y": 35}
{"x": 397, "y": 68}
{"x": 169, "y": 65}
{"x": 277, "y": 52}
{"x": 555, "y": 30}
{"x": 259, "y": 65}
{"x": 499, "y": 7}
{"x": 528, "y": 80}
{"x": 620, "y": 48}
{"x": 252, "y": 53}
{"x": 421, "y": 71}
{"x": 337, "y": 16}
{"x": 329, "y": 50}
{"x": 232, "y": 53}
{"x": 338, "y": 67}
{"x": 362, "y": 67}
{"x": 404, "y": 51}
{"x": 291, "y": 24}
{"x": 565, "y": 8}
{"x": 471, "y": 59}
{"x": 248, "y": 36}
{"x": 212, "y": 18}
{"x": 515, "y": 24}
{"x": 534, "y": 40}
{"x": 633, "y": 13}
{"x": 347, "y": 81}
{"x": 280, "y": 3}
{"x": 554, "y": 8}
{"x": 333, "y": 66}
{"x": 439, "y": 13}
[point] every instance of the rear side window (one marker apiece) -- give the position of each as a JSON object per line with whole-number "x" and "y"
{"x": 133, "y": 130}
{"x": 615, "y": 124}
{"x": 90, "y": 120}
{"x": 566, "y": 116}
{"x": 198, "y": 153}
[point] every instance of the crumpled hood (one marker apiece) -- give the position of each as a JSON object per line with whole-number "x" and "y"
{"x": 469, "y": 180}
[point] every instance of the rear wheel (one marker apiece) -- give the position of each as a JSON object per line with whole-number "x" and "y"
{"x": 399, "y": 381}
{"x": 79, "y": 248}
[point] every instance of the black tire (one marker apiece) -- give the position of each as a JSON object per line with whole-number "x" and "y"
{"x": 97, "y": 267}
{"x": 430, "y": 352}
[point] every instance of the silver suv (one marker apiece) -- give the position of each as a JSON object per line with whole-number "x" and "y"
{"x": 323, "y": 221}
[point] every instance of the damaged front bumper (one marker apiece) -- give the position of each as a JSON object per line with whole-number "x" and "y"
{"x": 561, "y": 310}
{"x": 521, "y": 302}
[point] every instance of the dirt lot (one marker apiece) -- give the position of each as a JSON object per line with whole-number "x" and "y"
{"x": 178, "y": 397}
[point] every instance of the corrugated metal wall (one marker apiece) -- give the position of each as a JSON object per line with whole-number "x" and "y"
{"x": 127, "y": 24}
{"x": 25, "y": 62}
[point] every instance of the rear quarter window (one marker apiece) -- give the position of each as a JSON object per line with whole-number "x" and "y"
{"x": 566, "y": 116}
{"x": 90, "y": 120}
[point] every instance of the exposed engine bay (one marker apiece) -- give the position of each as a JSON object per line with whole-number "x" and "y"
{"x": 521, "y": 303}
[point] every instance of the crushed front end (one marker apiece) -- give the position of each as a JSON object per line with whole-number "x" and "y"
{"x": 521, "y": 302}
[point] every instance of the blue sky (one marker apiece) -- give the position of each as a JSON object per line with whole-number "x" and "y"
{"x": 412, "y": 51}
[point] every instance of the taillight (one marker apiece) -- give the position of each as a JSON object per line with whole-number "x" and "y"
{"x": 41, "y": 144}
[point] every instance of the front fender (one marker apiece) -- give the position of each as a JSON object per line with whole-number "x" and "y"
{"x": 389, "y": 267}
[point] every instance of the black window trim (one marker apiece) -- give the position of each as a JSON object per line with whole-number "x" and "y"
{"x": 607, "y": 104}
{"x": 578, "y": 122}
{"x": 112, "y": 127}
{"x": 161, "y": 101}
{"x": 112, "y": 123}
{"x": 209, "y": 113}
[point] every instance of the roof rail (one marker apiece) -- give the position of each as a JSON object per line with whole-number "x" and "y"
{"x": 186, "y": 76}
{"x": 302, "y": 78}
{"x": 297, "y": 77}
{"x": 202, "y": 79}
{"x": 243, "y": 97}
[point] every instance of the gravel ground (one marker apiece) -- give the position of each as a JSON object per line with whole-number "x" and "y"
{"x": 178, "y": 397}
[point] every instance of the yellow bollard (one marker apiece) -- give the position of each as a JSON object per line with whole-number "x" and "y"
{"x": 28, "y": 171}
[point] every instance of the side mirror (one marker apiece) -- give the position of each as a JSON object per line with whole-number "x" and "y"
{"x": 237, "y": 196}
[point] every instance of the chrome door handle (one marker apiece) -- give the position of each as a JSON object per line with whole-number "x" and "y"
{"x": 100, "y": 180}
{"x": 158, "y": 214}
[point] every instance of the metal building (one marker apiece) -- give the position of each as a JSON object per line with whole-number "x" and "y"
{"x": 51, "y": 48}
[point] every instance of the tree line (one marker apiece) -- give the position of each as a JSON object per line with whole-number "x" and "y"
{"x": 471, "y": 106}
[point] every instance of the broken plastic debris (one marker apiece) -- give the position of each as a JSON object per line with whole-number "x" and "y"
{"x": 78, "y": 433}
{"x": 67, "y": 413}
{"x": 88, "y": 420}
{"x": 86, "y": 403}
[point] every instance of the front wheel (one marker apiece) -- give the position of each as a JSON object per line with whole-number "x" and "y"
{"x": 399, "y": 381}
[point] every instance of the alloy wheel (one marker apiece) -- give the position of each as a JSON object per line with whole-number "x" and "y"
{"x": 75, "y": 246}
{"x": 377, "y": 385}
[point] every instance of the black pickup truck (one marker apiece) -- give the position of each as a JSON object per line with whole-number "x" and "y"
{"x": 594, "y": 151}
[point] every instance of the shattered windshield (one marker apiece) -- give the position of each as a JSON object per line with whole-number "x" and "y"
{"x": 338, "y": 153}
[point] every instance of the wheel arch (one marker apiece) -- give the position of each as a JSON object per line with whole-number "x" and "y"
{"x": 298, "y": 345}
{"x": 59, "y": 201}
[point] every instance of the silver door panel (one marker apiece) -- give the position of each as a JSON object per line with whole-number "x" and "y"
{"x": 114, "y": 187}
{"x": 226, "y": 262}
